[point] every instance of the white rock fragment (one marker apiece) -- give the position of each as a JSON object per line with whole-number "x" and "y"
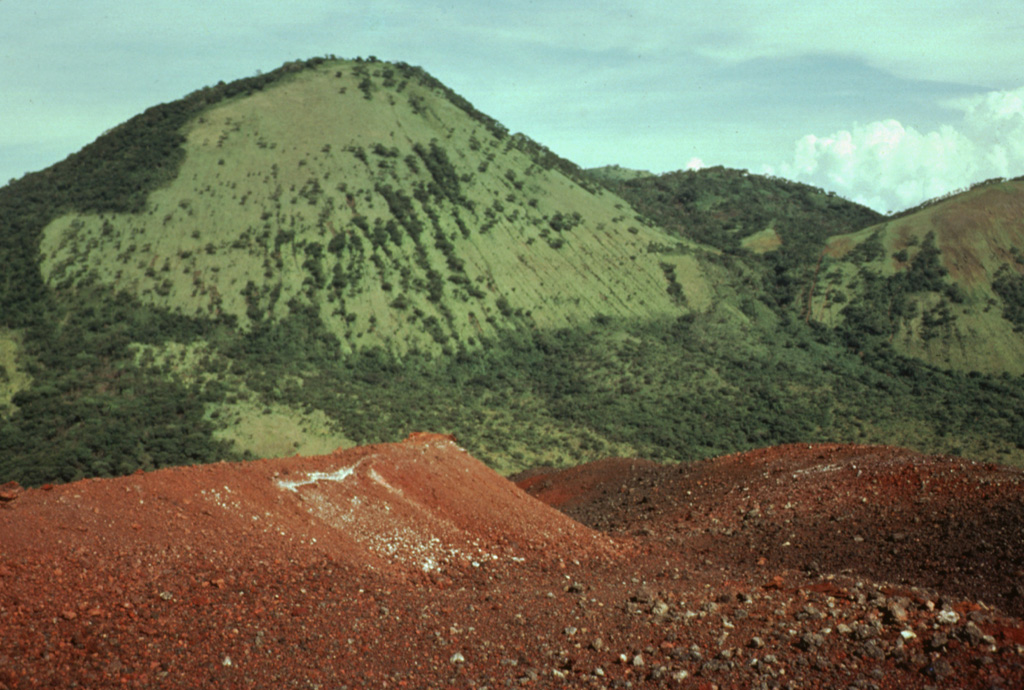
{"x": 338, "y": 475}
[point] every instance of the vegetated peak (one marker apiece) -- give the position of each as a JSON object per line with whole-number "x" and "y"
{"x": 949, "y": 277}
{"x": 261, "y": 266}
{"x": 976, "y": 232}
{"x": 616, "y": 173}
{"x": 733, "y": 209}
{"x": 991, "y": 182}
{"x": 373, "y": 200}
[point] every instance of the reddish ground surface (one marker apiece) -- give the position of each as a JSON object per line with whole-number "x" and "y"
{"x": 413, "y": 565}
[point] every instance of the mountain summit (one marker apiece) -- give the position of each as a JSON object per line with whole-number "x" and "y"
{"x": 368, "y": 197}
{"x": 949, "y": 279}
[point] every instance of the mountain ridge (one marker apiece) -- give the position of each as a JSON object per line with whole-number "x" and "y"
{"x": 258, "y": 280}
{"x": 952, "y": 271}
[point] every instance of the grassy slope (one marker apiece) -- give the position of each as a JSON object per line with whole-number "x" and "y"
{"x": 12, "y": 377}
{"x": 553, "y": 325}
{"x": 764, "y": 241}
{"x": 271, "y": 179}
{"x": 300, "y": 169}
{"x": 976, "y": 234}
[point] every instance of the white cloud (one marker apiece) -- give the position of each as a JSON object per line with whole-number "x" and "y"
{"x": 890, "y": 166}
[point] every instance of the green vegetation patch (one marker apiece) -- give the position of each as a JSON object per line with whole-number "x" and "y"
{"x": 760, "y": 242}
{"x": 1009, "y": 285}
{"x": 13, "y": 377}
{"x": 272, "y": 431}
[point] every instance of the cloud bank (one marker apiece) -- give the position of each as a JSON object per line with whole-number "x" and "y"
{"x": 890, "y": 166}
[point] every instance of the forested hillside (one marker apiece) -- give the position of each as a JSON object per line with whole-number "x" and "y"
{"x": 342, "y": 252}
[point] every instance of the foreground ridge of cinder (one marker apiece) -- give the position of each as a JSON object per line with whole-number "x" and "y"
{"x": 413, "y": 565}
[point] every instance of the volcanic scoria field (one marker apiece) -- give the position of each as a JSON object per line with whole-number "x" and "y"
{"x": 413, "y": 565}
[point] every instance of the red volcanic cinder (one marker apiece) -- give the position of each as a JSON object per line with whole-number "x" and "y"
{"x": 414, "y": 565}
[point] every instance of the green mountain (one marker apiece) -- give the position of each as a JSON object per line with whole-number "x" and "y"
{"x": 364, "y": 194}
{"x": 940, "y": 283}
{"x": 734, "y": 209}
{"x": 616, "y": 173}
{"x": 944, "y": 284}
{"x": 776, "y": 227}
{"x": 935, "y": 326}
{"x": 342, "y": 252}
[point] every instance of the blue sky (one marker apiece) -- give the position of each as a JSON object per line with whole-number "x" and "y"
{"x": 887, "y": 103}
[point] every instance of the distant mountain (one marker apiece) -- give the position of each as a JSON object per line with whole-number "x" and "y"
{"x": 941, "y": 283}
{"x": 616, "y": 173}
{"x": 730, "y": 209}
{"x": 778, "y": 228}
{"x": 342, "y": 251}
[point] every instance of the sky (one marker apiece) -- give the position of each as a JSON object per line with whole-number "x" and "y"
{"x": 885, "y": 103}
